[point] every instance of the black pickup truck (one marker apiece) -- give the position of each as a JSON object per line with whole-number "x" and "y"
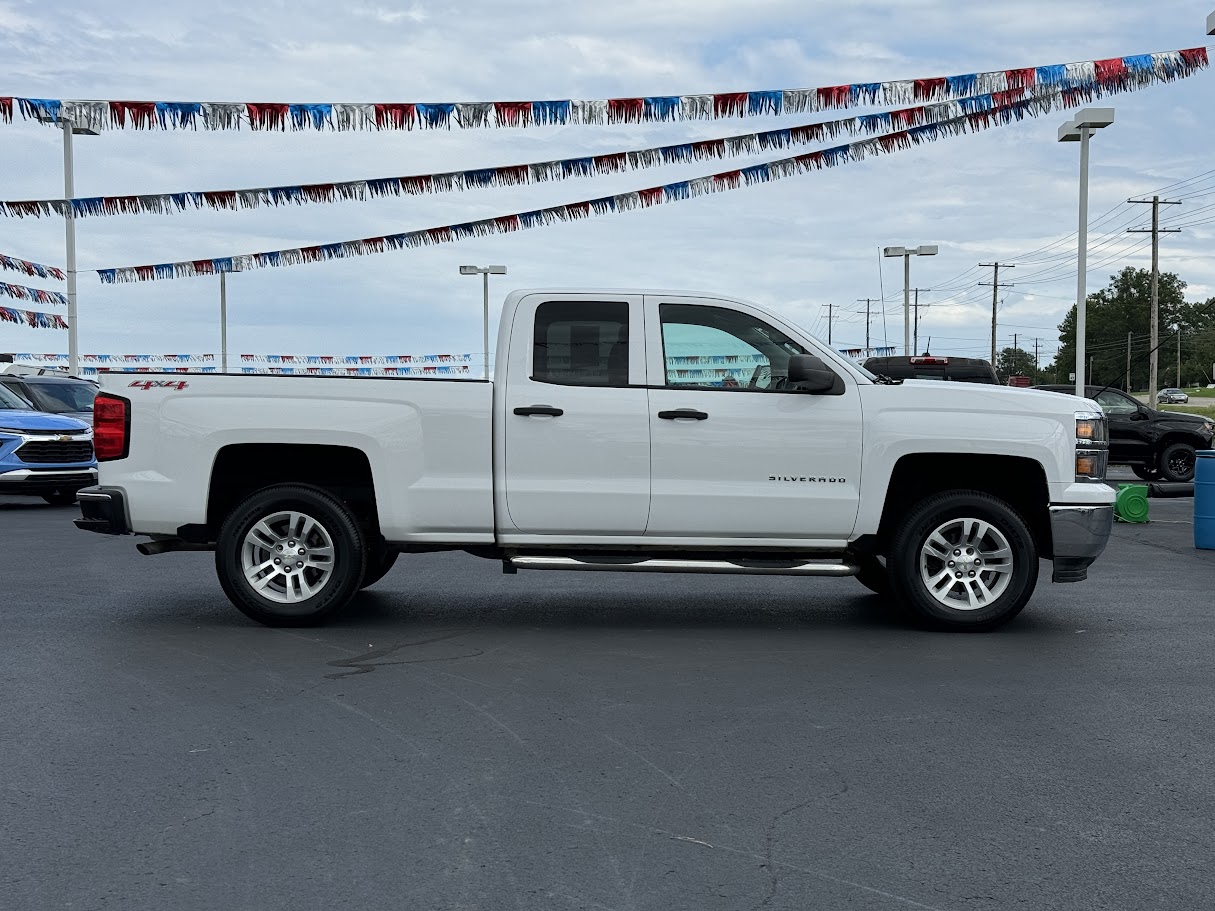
{"x": 1157, "y": 445}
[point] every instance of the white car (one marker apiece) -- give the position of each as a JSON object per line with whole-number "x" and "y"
{"x": 630, "y": 431}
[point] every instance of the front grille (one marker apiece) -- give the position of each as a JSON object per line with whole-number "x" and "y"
{"x": 54, "y": 452}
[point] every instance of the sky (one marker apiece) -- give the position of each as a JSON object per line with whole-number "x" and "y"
{"x": 804, "y": 247}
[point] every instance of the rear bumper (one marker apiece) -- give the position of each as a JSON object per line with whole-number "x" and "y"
{"x": 1080, "y": 534}
{"x": 33, "y": 481}
{"x": 103, "y": 510}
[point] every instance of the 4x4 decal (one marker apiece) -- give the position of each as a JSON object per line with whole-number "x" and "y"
{"x": 145, "y": 385}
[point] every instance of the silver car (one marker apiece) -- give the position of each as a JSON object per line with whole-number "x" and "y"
{"x": 1171, "y": 397}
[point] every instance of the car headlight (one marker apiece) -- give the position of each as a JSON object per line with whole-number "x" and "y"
{"x": 1092, "y": 446}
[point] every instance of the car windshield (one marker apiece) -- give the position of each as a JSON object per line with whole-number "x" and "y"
{"x": 12, "y": 401}
{"x": 61, "y": 397}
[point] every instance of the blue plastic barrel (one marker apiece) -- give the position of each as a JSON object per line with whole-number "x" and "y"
{"x": 1204, "y": 500}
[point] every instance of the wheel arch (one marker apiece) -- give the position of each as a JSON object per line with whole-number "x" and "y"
{"x": 1017, "y": 480}
{"x": 240, "y": 469}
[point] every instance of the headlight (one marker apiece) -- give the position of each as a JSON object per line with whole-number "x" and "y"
{"x": 1092, "y": 446}
{"x": 1090, "y": 427}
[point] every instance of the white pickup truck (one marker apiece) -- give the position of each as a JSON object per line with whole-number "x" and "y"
{"x": 631, "y": 431}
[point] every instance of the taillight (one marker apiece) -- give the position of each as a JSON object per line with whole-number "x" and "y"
{"x": 111, "y": 427}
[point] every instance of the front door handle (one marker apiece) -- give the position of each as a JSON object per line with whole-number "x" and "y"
{"x": 539, "y": 409}
{"x": 683, "y": 414}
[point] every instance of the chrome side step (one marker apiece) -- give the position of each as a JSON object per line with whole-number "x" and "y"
{"x": 740, "y": 567}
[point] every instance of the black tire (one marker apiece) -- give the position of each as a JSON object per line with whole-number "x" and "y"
{"x": 873, "y": 575}
{"x": 1177, "y": 462}
{"x": 342, "y": 572}
{"x": 377, "y": 568}
{"x": 934, "y": 515}
{"x": 60, "y": 497}
{"x": 1144, "y": 473}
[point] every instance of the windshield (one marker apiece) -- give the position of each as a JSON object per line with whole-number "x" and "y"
{"x": 12, "y": 401}
{"x": 62, "y": 397}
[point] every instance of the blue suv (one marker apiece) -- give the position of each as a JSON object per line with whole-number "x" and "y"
{"x": 43, "y": 455}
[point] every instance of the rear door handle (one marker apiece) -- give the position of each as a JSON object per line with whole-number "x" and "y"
{"x": 683, "y": 414}
{"x": 539, "y": 409}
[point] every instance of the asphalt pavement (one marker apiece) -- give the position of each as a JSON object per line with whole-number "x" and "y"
{"x": 463, "y": 739}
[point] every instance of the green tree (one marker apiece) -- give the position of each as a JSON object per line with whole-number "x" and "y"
{"x": 1124, "y": 306}
{"x": 1017, "y": 362}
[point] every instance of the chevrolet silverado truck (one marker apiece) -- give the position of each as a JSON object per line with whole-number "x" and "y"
{"x": 624, "y": 431}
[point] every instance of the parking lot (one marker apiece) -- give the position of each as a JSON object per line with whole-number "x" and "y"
{"x": 467, "y": 739}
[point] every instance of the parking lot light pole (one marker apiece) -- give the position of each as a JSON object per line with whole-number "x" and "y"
{"x": 907, "y": 253}
{"x": 1080, "y": 129}
{"x": 69, "y": 230}
{"x": 485, "y": 272}
{"x": 223, "y": 317}
{"x": 1211, "y": 23}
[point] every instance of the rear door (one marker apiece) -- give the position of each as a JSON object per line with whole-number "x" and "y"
{"x": 577, "y": 437}
{"x": 735, "y": 453}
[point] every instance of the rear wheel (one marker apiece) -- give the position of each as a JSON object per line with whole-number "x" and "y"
{"x": 1177, "y": 462}
{"x": 963, "y": 561}
{"x": 290, "y": 555}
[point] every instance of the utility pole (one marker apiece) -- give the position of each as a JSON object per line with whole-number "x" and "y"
{"x": 995, "y": 298}
{"x": 1178, "y": 356}
{"x": 1155, "y": 230}
{"x": 1036, "y": 341}
{"x": 830, "y": 312}
{"x": 916, "y": 330}
{"x": 1128, "y": 363}
{"x": 867, "y": 301}
{"x": 1090, "y": 369}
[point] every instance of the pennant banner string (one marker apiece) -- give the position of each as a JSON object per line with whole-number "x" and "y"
{"x": 513, "y": 175}
{"x": 14, "y": 264}
{"x": 1094, "y": 75}
{"x": 32, "y": 319}
{"x": 672, "y": 192}
{"x": 37, "y": 295}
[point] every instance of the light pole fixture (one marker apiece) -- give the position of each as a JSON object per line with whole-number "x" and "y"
{"x": 1211, "y": 24}
{"x": 69, "y": 223}
{"x": 485, "y": 272}
{"x": 1080, "y": 129}
{"x": 907, "y": 253}
{"x": 223, "y": 316}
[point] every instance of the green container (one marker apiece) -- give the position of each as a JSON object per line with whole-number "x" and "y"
{"x": 1131, "y": 503}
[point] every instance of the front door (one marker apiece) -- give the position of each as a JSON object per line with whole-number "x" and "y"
{"x": 735, "y": 452}
{"x": 577, "y": 436}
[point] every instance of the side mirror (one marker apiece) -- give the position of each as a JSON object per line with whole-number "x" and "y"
{"x": 1139, "y": 416}
{"x": 810, "y": 373}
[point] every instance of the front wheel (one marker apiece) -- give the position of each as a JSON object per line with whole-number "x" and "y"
{"x": 1144, "y": 473}
{"x": 1177, "y": 462}
{"x": 963, "y": 561}
{"x": 290, "y": 555}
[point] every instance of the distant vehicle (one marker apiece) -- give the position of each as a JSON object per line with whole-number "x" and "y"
{"x": 1171, "y": 397}
{"x": 1020, "y": 381}
{"x": 928, "y": 367}
{"x": 54, "y": 393}
{"x": 1157, "y": 445}
{"x": 43, "y": 455}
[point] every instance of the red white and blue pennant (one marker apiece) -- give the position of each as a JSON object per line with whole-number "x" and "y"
{"x": 32, "y": 319}
{"x": 666, "y": 193}
{"x": 37, "y": 295}
{"x": 535, "y": 172}
{"x": 24, "y": 266}
{"x": 1097, "y": 76}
